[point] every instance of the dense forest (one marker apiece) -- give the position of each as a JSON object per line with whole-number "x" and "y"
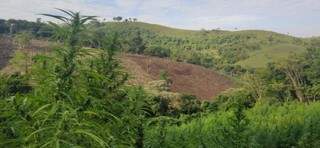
{"x": 77, "y": 95}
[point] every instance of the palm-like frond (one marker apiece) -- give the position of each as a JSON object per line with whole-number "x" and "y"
{"x": 70, "y": 13}
{"x": 54, "y": 24}
{"x": 72, "y": 17}
{"x": 62, "y": 18}
{"x": 84, "y": 19}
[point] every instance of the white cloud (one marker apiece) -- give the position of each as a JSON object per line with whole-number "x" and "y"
{"x": 284, "y": 16}
{"x": 29, "y": 9}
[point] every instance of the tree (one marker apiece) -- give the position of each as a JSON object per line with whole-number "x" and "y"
{"x": 157, "y": 51}
{"x": 12, "y": 29}
{"x": 136, "y": 44}
{"x": 23, "y": 40}
{"x": 117, "y": 19}
{"x": 23, "y": 58}
{"x": 254, "y": 84}
{"x": 13, "y": 84}
{"x": 3, "y": 26}
{"x": 293, "y": 70}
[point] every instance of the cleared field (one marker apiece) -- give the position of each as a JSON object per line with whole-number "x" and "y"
{"x": 186, "y": 78}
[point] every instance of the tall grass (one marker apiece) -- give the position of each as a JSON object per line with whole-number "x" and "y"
{"x": 288, "y": 125}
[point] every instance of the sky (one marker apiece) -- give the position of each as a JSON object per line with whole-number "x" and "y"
{"x": 295, "y": 17}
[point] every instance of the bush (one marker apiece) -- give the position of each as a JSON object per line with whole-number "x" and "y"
{"x": 190, "y": 104}
{"x": 288, "y": 125}
{"x": 13, "y": 84}
{"x": 157, "y": 51}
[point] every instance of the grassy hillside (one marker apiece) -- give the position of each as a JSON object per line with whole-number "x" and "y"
{"x": 211, "y": 48}
{"x": 163, "y": 30}
{"x": 260, "y": 58}
{"x": 217, "y": 49}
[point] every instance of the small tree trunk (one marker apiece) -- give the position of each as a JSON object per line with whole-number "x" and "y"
{"x": 297, "y": 82}
{"x": 140, "y": 136}
{"x": 148, "y": 66}
{"x": 300, "y": 95}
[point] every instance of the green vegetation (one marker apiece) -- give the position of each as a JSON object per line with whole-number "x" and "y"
{"x": 38, "y": 29}
{"x": 77, "y": 96}
{"x": 221, "y": 50}
{"x": 286, "y": 125}
{"x": 22, "y": 41}
{"x": 210, "y": 48}
{"x": 261, "y": 58}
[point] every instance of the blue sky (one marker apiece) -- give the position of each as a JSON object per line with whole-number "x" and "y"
{"x": 296, "y": 17}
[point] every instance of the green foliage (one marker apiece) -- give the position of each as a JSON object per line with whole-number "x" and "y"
{"x": 294, "y": 78}
{"x": 13, "y": 84}
{"x": 234, "y": 97}
{"x": 157, "y": 51}
{"x": 214, "y": 49}
{"x": 23, "y": 40}
{"x": 77, "y": 101}
{"x": 79, "y": 96}
{"x": 136, "y": 44}
{"x": 164, "y": 75}
{"x": 37, "y": 29}
{"x": 260, "y": 58}
{"x": 262, "y": 126}
{"x": 22, "y": 60}
{"x": 71, "y": 37}
{"x": 161, "y": 106}
{"x": 189, "y": 104}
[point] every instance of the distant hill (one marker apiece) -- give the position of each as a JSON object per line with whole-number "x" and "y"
{"x": 214, "y": 48}
{"x": 218, "y": 49}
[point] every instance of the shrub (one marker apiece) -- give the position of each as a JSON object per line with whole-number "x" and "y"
{"x": 288, "y": 125}
{"x": 157, "y": 51}
{"x": 13, "y": 84}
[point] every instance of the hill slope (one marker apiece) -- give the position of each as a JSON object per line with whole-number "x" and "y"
{"x": 259, "y": 59}
{"x": 186, "y": 78}
{"x": 210, "y": 48}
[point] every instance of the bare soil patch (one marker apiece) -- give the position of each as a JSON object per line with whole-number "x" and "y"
{"x": 186, "y": 78}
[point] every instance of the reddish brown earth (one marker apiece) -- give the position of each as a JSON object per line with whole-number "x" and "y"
{"x": 186, "y": 78}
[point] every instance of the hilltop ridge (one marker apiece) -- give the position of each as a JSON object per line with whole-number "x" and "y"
{"x": 210, "y": 48}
